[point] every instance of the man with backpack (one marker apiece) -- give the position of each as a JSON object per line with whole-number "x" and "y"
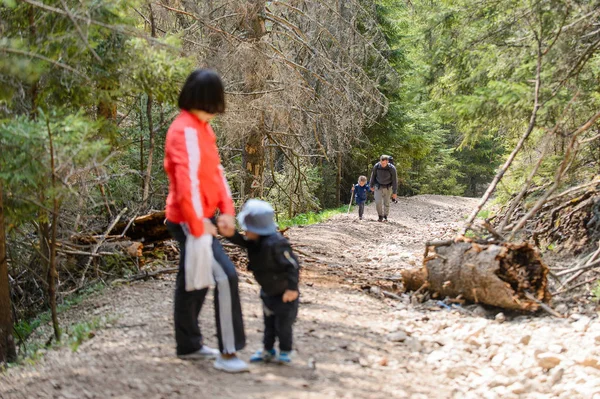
{"x": 384, "y": 183}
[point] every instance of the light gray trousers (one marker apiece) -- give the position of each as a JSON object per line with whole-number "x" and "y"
{"x": 382, "y": 200}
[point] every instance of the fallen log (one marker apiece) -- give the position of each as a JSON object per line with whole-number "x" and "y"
{"x": 148, "y": 228}
{"x": 508, "y": 275}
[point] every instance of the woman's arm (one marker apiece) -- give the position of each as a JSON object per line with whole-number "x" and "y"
{"x": 184, "y": 153}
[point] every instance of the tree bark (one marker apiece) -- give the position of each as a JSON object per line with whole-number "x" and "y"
{"x": 148, "y": 174}
{"x": 7, "y": 345}
{"x": 254, "y": 159}
{"x": 50, "y": 240}
{"x": 149, "y": 103}
{"x": 338, "y": 180}
{"x": 254, "y": 151}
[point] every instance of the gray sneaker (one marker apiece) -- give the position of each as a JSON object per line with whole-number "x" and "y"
{"x": 203, "y": 353}
{"x": 231, "y": 365}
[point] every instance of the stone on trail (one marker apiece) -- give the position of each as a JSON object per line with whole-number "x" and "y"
{"x": 500, "y": 318}
{"x": 556, "y": 377}
{"x": 398, "y": 336}
{"x": 517, "y": 388}
{"x": 561, "y": 308}
{"x": 590, "y": 362}
{"x": 548, "y": 360}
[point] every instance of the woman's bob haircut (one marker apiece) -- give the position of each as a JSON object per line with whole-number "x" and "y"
{"x": 203, "y": 91}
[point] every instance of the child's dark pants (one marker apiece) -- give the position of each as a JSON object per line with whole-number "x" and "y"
{"x": 279, "y": 317}
{"x": 361, "y": 209}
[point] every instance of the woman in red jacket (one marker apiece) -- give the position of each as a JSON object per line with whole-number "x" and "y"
{"x": 197, "y": 188}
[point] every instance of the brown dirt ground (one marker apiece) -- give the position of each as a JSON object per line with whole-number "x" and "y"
{"x": 343, "y": 328}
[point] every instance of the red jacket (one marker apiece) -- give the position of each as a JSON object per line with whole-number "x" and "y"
{"x": 197, "y": 185}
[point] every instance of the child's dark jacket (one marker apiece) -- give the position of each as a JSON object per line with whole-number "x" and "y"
{"x": 271, "y": 260}
{"x": 360, "y": 193}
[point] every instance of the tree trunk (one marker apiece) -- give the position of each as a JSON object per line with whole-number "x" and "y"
{"x": 148, "y": 174}
{"x": 107, "y": 107}
{"x": 254, "y": 159}
{"x": 49, "y": 237}
{"x": 7, "y": 344}
{"x": 149, "y": 102}
{"x": 338, "y": 180}
{"x": 498, "y": 275}
{"x": 254, "y": 151}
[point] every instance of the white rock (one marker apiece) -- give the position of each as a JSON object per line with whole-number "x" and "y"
{"x": 498, "y": 359}
{"x": 561, "y": 308}
{"x": 548, "y": 360}
{"x": 479, "y": 311}
{"x": 500, "y": 317}
{"x": 500, "y": 380}
{"x": 413, "y": 344}
{"x": 517, "y": 388}
{"x": 582, "y": 324}
{"x": 398, "y": 336}
{"x": 375, "y": 290}
{"x": 436, "y": 356}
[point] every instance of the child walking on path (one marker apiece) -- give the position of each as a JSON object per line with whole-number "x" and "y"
{"x": 360, "y": 191}
{"x": 276, "y": 270}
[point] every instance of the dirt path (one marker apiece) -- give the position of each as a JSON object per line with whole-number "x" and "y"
{"x": 363, "y": 345}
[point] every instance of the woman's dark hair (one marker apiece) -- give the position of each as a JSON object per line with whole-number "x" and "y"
{"x": 203, "y": 90}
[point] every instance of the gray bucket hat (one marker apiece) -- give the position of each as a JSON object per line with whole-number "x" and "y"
{"x": 257, "y": 217}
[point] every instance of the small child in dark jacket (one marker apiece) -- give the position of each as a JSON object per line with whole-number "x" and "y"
{"x": 360, "y": 194}
{"x": 276, "y": 270}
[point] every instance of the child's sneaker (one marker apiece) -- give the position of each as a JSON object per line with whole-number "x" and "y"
{"x": 284, "y": 357}
{"x": 262, "y": 356}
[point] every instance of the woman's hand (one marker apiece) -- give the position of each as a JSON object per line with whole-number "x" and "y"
{"x": 290, "y": 296}
{"x": 210, "y": 228}
{"x": 226, "y": 225}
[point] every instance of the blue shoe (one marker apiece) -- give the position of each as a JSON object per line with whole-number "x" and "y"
{"x": 284, "y": 357}
{"x": 263, "y": 356}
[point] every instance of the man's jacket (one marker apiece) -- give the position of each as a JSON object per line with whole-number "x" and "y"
{"x": 384, "y": 177}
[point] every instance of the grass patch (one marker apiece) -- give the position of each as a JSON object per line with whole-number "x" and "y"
{"x": 305, "y": 219}
{"x": 484, "y": 214}
{"x": 596, "y": 291}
